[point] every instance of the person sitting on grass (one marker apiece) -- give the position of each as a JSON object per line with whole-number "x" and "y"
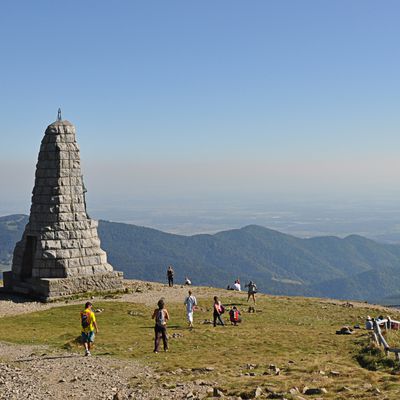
{"x": 161, "y": 316}
{"x": 234, "y": 316}
{"x": 89, "y": 325}
{"x": 236, "y": 285}
{"x": 218, "y": 311}
{"x": 187, "y": 281}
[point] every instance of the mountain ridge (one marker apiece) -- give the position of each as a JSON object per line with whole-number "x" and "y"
{"x": 353, "y": 267}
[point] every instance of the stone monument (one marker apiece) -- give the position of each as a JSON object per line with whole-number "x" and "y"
{"x": 59, "y": 253}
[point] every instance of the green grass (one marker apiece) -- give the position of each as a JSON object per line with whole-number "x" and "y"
{"x": 295, "y": 334}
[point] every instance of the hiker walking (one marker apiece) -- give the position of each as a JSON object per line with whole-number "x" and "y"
{"x": 89, "y": 325}
{"x": 170, "y": 276}
{"x": 218, "y": 311}
{"x": 251, "y": 291}
{"x": 190, "y": 303}
{"x": 161, "y": 317}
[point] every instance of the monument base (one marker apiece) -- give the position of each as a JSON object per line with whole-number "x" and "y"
{"x": 47, "y": 289}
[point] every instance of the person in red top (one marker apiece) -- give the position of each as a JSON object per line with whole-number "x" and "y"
{"x": 218, "y": 310}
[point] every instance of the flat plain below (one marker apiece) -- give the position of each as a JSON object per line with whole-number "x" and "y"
{"x": 288, "y": 345}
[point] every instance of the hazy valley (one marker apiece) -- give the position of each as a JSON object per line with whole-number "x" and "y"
{"x": 353, "y": 267}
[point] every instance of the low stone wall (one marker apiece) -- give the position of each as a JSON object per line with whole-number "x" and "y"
{"x": 46, "y": 289}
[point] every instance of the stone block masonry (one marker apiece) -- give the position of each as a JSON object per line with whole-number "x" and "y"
{"x": 59, "y": 253}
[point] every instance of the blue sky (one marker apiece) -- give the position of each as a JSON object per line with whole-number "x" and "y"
{"x": 210, "y": 99}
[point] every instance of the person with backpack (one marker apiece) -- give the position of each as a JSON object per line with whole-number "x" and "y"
{"x": 234, "y": 316}
{"x": 89, "y": 325}
{"x": 190, "y": 303}
{"x": 170, "y": 276}
{"x": 251, "y": 291}
{"x": 161, "y": 317}
{"x": 218, "y": 311}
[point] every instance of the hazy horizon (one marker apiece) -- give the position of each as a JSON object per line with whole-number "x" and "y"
{"x": 195, "y": 117}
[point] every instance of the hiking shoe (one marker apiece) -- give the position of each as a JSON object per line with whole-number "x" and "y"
{"x": 155, "y": 352}
{"x": 87, "y": 353}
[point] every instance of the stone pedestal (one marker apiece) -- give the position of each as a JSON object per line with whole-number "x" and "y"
{"x": 59, "y": 253}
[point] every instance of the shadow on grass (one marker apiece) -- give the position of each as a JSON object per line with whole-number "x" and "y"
{"x": 168, "y": 327}
{"x": 15, "y": 298}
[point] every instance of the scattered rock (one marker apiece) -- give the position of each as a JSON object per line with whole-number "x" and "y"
{"x": 217, "y": 393}
{"x": 118, "y": 396}
{"x": 276, "y": 395}
{"x": 314, "y": 391}
{"x": 345, "y": 330}
{"x": 367, "y": 386}
{"x": 258, "y": 392}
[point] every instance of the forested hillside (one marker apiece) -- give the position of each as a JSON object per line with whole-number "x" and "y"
{"x": 350, "y": 268}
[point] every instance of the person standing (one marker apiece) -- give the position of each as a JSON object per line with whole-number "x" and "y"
{"x": 89, "y": 326}
{"x": 218, "y": 311}
{"x": 161, "y": 317}
{"x": 251, "y": 291}
{"x": 170, "y": 276}
{"x": 190, "y": 303}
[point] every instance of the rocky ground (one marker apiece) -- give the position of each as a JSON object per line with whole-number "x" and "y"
{"x": 38, "y": 372}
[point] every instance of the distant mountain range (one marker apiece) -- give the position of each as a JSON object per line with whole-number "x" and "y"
{"x": 349, "y": 268}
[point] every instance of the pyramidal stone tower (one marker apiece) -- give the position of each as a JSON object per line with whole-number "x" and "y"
{"x": 59, "y": 253}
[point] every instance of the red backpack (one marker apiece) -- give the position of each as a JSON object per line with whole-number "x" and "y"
{"x": 234, "y": 314}
{"x": 86, "y": 319}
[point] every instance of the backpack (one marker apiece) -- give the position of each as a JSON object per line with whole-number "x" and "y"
{"x": 234, "y": 315}
{"x": 86, "y": 319}
{"x": 160, "y": 318}
{"x": 221, "y": 309}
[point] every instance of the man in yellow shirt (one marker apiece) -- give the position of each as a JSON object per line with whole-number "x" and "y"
{"x": 89, "y": 325}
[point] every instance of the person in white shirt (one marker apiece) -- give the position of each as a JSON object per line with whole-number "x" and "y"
{"x": 187, "y": 281}
{"x": 190, "y": 303}
{"x": 236, "y": 285}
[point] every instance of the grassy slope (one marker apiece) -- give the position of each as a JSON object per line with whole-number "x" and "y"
{"x": 295, "y": 334}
